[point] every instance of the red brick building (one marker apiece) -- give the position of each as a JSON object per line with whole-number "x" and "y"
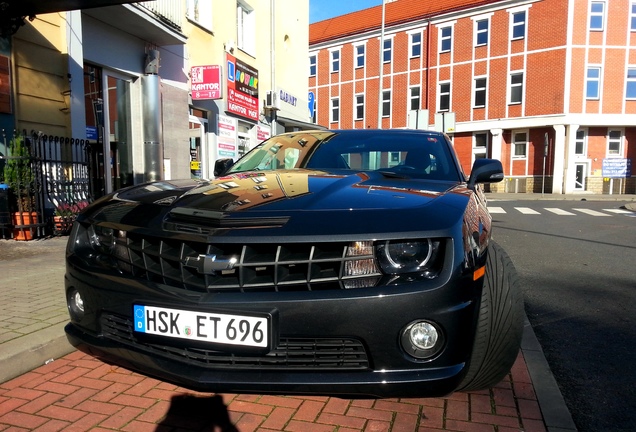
{"x": 502, "y": 78}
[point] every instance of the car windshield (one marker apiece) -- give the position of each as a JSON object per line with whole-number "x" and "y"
{"x": 399, "y": 153}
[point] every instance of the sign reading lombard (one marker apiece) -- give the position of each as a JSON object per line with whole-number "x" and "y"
{"x": 617, "y": 168}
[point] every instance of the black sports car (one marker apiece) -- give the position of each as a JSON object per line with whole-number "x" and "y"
{"x": 352, "y": 263}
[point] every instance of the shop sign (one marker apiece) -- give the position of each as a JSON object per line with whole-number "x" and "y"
{"x": 617, "y": 168}
{"x": 242, "y": 89}
{"x": 287, "y": 98}
{"x": 205, "y": 82}
{"x": 263, "y": 133}
{"x": 227, "y": 141}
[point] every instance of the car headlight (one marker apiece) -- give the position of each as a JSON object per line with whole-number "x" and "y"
{"x": 414, "y": 256}
{"x": 109, "y": 243}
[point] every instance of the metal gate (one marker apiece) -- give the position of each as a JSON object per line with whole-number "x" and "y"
{"x": 48, "y": 183}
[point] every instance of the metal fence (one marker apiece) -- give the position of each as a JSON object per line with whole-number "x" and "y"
{"x": 44, "y": 184}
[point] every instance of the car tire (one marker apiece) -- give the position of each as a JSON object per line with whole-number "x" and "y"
{"x": 499, "y": 326}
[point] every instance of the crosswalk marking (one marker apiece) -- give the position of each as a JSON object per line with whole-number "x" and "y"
{"x": 591, "y": 212}
{"x": 618, "y": 211}
{"x": 560, "y": 212}
{"x": 494, "y": 210}
{"x": 527, "y": 211}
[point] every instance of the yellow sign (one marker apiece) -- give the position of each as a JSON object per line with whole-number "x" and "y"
{"x": 195, "y": 165}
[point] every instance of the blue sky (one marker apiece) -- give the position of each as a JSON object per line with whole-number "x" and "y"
{"x": 323, "y": 9}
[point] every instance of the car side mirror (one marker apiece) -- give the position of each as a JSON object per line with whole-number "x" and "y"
{"x": 221, "y": 166}
{"x": 485, "y": 171}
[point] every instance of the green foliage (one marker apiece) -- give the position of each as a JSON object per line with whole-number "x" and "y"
{"x": 17, "y": 171}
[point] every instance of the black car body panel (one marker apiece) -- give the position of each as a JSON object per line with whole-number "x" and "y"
{"x": 307, "y": 250}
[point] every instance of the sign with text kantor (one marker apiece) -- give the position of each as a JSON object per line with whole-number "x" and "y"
{"x": 617, "y": 168}
{"x": 242, "y": 89}
{"x": 205, "y": 82}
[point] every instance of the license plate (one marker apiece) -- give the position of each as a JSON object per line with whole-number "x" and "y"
{"x": 219, "y": 328}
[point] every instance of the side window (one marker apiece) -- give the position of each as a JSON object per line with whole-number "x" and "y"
{"x": 359, "y": 49}
{"x": 416, "y": 45}
{"x": 443, "y": 103}
{"x": 597, "y": 15}
{"x": 335, "y": 61}
{"x": 445, "y": 39}
{"x": 518, "y": 25}
{"x": 481, "y": 32}
{"x": 312, "y": 65}
{"x": 593, "y": 83}
{"x": 386, "y": 51}
{"x": 516, "y": 88}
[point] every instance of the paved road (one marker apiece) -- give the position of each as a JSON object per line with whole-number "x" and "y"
{"x": 577, "y": 261}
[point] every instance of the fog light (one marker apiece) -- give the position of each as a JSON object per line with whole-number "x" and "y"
{"x": 422, "y": 339}
{"x": 75, "y": 304}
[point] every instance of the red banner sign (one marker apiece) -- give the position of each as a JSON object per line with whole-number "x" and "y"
{"x": 205, "y": 82}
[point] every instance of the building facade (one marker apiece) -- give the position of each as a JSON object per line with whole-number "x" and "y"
{"x": 548, "y": 86}
{"x": 160, "y": 89}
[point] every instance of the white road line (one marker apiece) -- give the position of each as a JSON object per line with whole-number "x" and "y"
{"x": 527, "y": 211}
{"x": 560, "y": 212}
{"x": 618, "y": 211}
{"x": 494, "y": 210}
{"x": 591, "y": 212}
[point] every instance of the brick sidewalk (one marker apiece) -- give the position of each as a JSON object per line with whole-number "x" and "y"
{"x": 78, "y": 393}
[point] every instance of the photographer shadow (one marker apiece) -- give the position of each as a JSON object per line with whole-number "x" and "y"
{"x": 203, "y": 413}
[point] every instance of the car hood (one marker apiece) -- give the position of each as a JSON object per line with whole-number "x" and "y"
{"x": 335, "y": 201}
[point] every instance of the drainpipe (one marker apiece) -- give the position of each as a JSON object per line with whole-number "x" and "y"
{"x": 151, "y": 114}
{"x": 381, "y": 62}
{"x": 428, "y": 67}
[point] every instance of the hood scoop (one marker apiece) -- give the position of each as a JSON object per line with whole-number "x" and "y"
{"x": 204, "y": 221}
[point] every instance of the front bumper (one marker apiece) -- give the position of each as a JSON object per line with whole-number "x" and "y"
{"x": 371, "y": 319}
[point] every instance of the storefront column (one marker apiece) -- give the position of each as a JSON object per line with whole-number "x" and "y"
{"x": 495, "y": 144}
{"x": 570, "y": 169}
{"x": 559, "y": 159}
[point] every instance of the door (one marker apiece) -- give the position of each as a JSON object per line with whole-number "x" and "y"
{"x": 580, "y": 176}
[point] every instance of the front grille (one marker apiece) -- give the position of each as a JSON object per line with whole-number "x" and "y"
{"x": 258, "y": 267}
{"x": 291, "y": 353}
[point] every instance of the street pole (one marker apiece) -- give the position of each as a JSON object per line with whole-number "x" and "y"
{"x": 381, "y": 62}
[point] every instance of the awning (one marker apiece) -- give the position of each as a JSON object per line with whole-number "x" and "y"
{"x": 298, "y": 123}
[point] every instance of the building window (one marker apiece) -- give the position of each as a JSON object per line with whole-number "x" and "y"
{"x": 335, "y": 61}
{"x": 443, "y": 103}
{"x": 386, "y": 103}
{"x": 597, "y": 15}
{"x": 633, "y": 17}
{"x": 414, "y": 98}
{"x": 630, "y": 92}
{"x": 593, "y": 83}
{"x": 359, "y": 56}
{"x": 519, "y": 25}
{"x": 580, "y": 145}
{"x": 481, "y": 32}
{"x": 335, "y": 110}
{"x": 480, "y": 145}
{"x": 516, "y": 88}
{"x": 480, "y": 92}
{"x": 445, "y": 39}
{"x": 416, "y": 44}
{"x": 615, "y": 143}
{"x": 386, "y": 51}
{"x": 520, "y": 145}
{"x": 246, "y": 28}
{"x": 312, "y": 65}
{"x": 200, "y": 12}
{"x": 359, "y": 103}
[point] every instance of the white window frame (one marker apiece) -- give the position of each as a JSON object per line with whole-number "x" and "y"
{"x": 334, "y": 63}
{"x": 620, "y": 141}
{"x": 313, "y": 65}
{"x": 477, "y": 31}
{"x": 630, "y": 82}
{"x": 200, "y": 12}
{"x": 413, "y": 44}
{"x": 246, "y": 28}
{"x": 443, "y": 38}
{"x": 386, "y": 103}
{"x": 598, "y": 80}
{"x": 439, "y": 96}
{"x": 412, "y": 97}
{"x": 514, "y": 25}
{"x": 359, "y": 55}
{"x": 512, "y": 86}
{"x": 482, "y": 151}
{"x": 483, "y": 89}
{"x": 386, "y": 50}
{"x": 358, "y": 106}
{"x": 582, "y": 140}
{"x": 516, "y": 143}
{"x": 632, "y": 17}
{"x": 334, "y": 110}
{"x": 597, "y": 14}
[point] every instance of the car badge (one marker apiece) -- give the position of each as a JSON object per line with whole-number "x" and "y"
{"x": 209, "y": 264}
